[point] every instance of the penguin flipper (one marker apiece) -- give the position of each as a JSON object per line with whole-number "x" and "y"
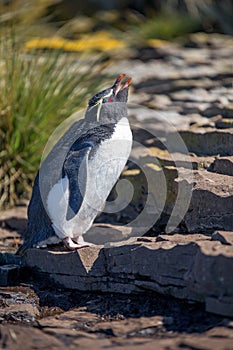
{"x": 76, "y": 169}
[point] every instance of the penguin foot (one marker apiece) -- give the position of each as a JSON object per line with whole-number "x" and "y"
{"x": 80, "y": 243}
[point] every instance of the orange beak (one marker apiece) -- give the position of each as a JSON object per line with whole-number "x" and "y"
{"x": 118, "y": 83}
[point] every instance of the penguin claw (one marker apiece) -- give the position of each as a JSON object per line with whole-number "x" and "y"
{"x": 71, "y": 245}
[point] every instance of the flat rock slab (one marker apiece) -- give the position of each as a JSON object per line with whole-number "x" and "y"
{"x": 203, "y": 200}
{"x": 204, "y": 141}
{"x": 192, "y": 268}
{"x": 13, "y": 336}
{"x": 211, "y": 203}
{"x": 8, "y": 274}
{"x": 223, "y": 165}
{"x": 15, "y": 219}
{"x": 151, "y": 154}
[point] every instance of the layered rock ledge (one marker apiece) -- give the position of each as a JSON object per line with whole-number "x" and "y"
{"x": 193, "y": 267}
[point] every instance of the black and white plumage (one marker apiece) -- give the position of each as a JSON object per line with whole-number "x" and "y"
{"x": 77, "y": 176}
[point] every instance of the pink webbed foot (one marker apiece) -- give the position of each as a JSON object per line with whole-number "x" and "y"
{"x": 77, "y": 244}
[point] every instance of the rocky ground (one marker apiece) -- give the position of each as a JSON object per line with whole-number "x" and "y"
{"x": 182, "y": 203}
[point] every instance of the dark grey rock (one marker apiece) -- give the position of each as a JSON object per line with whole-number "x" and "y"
{"x": 220, "y": 305}
{"x": 204, "y": 141}
{"x": 222, "y": 165}
{"x": 211, "y": 203}
{"x": 198, "y": 270}
{"x": 225, "y": 237}
{"x": 224, "y": 123}
{"x": 206, "y": 198}
{"x": 8, "y": 274}
{"x": 9, "y": 259}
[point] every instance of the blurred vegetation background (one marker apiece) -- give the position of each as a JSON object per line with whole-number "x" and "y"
{"x": 52, "y": 55}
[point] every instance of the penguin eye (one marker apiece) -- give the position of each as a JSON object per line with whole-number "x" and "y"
{"x": 110, "y": 100}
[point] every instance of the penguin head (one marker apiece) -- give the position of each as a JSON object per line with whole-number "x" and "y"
{"x": 118, "y": 92}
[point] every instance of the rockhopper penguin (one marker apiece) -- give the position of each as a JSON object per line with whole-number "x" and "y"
{"x": 78, "y": 174}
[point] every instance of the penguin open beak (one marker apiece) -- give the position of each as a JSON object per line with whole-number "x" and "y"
{"x": 118, "y": 83}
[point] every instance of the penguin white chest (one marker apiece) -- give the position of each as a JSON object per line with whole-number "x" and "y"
{"x": 108, "y": 162}
{"x": 112, "y": 153}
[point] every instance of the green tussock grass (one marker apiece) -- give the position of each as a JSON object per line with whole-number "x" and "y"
{"x": 168, "y": 26}
{"x": 37, "y": 92}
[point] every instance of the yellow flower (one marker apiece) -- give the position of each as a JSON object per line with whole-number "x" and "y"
{"x": 73, "y": 46}
{"x": 50, "y": 43}
{"x": 156, "y": 42}
{"x": 99, "y": 41}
